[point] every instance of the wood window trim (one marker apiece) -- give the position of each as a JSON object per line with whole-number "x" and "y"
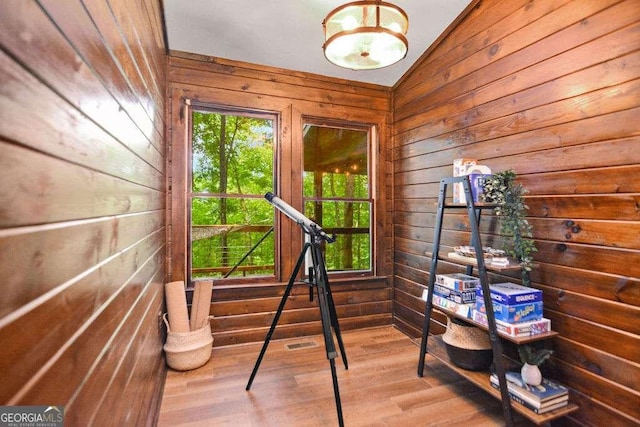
{"x": 290, "y": 120}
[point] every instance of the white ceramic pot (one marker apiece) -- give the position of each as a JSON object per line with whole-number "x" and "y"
{"x": 531, "y": 374}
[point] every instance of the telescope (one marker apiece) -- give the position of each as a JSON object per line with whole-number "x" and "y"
{"x": 319, "y": 279}
{"x": 307, "y": 225}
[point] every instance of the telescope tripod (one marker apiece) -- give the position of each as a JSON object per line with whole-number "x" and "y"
{"x": 328, "y": 315}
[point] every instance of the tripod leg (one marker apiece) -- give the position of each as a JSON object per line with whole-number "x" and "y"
{"x": 336, "y": 326}
{"x": 325, "y": 301}
{"x": 329, "y": 345}
{"x": 336, "y": 392}
{"x": 326, "y": 322}
{"x": 278, "y": 313}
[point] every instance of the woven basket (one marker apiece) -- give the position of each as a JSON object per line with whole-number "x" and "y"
{"x": 468, "y": 347}
{"x": 188, "y": 350}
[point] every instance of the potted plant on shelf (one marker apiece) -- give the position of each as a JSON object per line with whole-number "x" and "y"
{"x": 531, "y": 359}
{"x": 508, "y": 196}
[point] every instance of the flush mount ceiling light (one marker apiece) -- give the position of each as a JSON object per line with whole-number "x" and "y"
{"x": 364, "y": 35}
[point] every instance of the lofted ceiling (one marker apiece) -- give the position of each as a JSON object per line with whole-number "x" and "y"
{"x": 288, "y": 33}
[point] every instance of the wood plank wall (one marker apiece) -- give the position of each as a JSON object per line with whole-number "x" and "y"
{"x": 243, "y": 311}
{"x": 82, "y": 207}
{"x": 550, "y": 89}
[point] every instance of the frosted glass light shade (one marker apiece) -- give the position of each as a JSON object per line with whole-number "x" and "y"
{"x": 364, "y": 35}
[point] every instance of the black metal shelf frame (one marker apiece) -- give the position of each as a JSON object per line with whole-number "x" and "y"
{"x": 474, "y": 214}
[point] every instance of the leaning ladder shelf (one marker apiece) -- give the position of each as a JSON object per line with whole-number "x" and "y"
{"x": 437, "y": 349}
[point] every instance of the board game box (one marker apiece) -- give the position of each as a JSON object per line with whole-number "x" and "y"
{"x": 524, "y": 329}
{"x": 512, "y": 313}
{"x": 512, "y": 294}
{"x": 458, "y": 281}
{"x": 461, "y": 297}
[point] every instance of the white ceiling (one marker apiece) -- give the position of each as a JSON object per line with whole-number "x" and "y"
{"x": 288, "y": 33}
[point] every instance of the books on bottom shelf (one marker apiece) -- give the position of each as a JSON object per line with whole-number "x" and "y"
{"x": 546, "y": 397}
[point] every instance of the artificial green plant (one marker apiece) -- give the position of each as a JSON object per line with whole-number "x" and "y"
{"x": 508, "y": 196}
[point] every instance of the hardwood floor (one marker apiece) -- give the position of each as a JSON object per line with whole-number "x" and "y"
{"x": 293, "y": 387}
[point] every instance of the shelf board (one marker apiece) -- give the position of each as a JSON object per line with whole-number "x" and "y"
{"x": 437, "y": 349}
{"x": 516, "y": 340}
{"x": 476, "y": 205}
{"x": 452, "y": 256}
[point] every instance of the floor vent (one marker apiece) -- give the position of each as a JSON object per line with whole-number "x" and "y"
{"x": 299, "y": 345}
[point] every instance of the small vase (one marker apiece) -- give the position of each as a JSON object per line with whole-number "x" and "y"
{"x": 531, "y": 374}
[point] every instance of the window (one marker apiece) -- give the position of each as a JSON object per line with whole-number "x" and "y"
{"x": 232, "y": 158}
{"x": 233, "y": 231}
{"x": 337, "y": 192}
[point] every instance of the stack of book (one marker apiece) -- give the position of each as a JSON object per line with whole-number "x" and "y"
{"x": 546, "y": 397}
